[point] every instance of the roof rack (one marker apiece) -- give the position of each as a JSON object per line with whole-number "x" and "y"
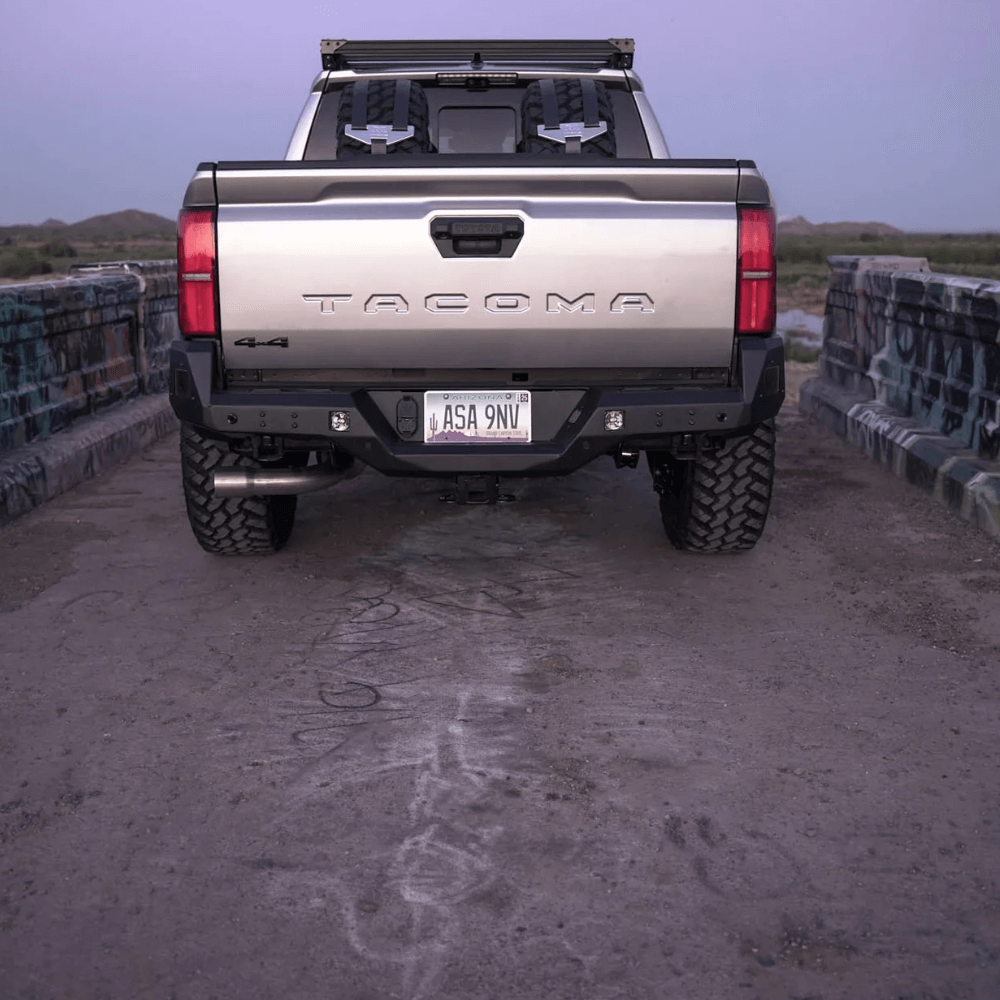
{"x": 613, "y": 53}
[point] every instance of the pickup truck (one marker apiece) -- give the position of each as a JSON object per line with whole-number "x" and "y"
{"x": 476, "y": 260}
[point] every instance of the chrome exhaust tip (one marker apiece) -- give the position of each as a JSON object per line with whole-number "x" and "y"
{"x": 278, "y": 482}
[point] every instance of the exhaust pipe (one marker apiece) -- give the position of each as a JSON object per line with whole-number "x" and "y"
{"x": 278, "y": 482}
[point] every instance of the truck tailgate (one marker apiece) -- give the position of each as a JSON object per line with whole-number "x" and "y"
{"x": 335, "y": 267}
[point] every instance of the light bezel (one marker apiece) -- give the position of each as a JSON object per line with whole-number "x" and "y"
{"x": 614, "y": 421}
{"x": 197, "y": 273}
{"x": 756, "y": 271}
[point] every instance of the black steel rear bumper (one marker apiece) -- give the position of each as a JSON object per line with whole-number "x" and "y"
{"x": 568, "y": 422}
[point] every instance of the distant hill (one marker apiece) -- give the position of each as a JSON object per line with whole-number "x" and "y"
{"x": 800, "y": 226}
{"x": 130, "y": 223}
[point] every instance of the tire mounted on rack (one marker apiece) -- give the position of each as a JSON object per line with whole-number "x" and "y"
{"x": 381, "y": 104}
{"x": 569, "y": 101}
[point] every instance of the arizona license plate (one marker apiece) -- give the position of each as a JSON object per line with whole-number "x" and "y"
{"x": 481, "y": 417}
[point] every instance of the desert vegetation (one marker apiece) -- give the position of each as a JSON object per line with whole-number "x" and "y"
{"x": 49, "y": 250}
{"x": 804, "y": 247}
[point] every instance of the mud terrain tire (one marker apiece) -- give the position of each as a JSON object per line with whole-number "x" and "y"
{"x": 719, "y": 501}
{"x": 381, "y": 101}
{"x": 229, "y": 526}
{"x": 569, "y": 100}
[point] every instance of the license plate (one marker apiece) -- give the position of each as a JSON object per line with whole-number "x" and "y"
{"x": 479, "y": 417}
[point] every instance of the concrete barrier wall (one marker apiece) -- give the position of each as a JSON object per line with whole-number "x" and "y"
{"x": 927, "y": 345}
{"x": 910, "y": 372}
{"x": 73, "y": 348}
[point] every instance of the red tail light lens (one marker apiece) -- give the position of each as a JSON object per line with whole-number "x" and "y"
{"x": 196, "y": 283}
{"x": 755, "y": 276}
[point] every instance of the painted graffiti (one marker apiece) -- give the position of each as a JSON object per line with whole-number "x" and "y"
{"x": 927, "y": 345}
{"x": 70, "y": 348}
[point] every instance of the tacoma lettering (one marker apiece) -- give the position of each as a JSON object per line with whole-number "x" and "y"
{"x": 327, "y": 303}
{"x": 499, "y": 302}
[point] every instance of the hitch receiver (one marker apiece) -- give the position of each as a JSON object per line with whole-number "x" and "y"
{"x": 477, "y": 490}
{"x": 626, "y": 458}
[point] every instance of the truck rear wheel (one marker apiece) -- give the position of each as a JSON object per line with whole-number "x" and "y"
{"x": 229, "y": 526}
{"x": 717, "y": 502}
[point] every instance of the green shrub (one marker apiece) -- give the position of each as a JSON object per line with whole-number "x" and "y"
{"x": 58, "y": 248}
{"x": 961, "y": 249}
{"x": 800, "y": 251}
{"x": 795, "y": 350}
{"x": 21, "y": 262}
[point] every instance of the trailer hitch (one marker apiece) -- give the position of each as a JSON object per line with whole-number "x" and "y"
{"x": 477, "y": 490}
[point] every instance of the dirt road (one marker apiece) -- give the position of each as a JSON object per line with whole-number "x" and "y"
{"x": 523, "y": 752}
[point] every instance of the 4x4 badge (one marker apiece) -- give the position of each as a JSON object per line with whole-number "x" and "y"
{"x": 254, "y": 342}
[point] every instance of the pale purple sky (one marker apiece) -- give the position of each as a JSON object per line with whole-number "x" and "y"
{"x": 873, "y": 111}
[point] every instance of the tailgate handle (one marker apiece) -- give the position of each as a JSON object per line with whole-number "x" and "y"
{"x": 477, "y": 237}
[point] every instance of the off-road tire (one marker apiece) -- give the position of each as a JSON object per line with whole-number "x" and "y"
{"x": 569, "y": 98}
{"x": 381, "y": 100}
{"x": 229, "y": 526}
{"x": 718, "y": 502}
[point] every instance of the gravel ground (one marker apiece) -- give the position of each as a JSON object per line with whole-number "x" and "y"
{"x": 528, "y": 751}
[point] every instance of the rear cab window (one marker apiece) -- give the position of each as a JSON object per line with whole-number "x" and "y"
{"x": 486, "y": 120}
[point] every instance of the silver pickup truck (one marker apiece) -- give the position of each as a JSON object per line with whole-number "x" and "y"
{"x": 477, "y": 260}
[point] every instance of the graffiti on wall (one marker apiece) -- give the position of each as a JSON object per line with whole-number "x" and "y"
{"x": 925, "y": 344}
{"x": 71, "y": 348}
{"x": 23, "y": 364}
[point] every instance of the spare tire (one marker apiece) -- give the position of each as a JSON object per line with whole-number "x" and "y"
{"x": 570, "y": 108}
{"x": 381, "y": 106}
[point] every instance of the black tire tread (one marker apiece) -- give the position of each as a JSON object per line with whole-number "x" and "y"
{"x": 569, "y": 97}
{"x": 720, "y": 500}
{"x": 232, "y": 526}
{"x": 381, "y": 99}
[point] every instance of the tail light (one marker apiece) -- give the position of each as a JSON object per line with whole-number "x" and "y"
{"x": 755, "y": 275}
{"x": 196, "y": 277}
